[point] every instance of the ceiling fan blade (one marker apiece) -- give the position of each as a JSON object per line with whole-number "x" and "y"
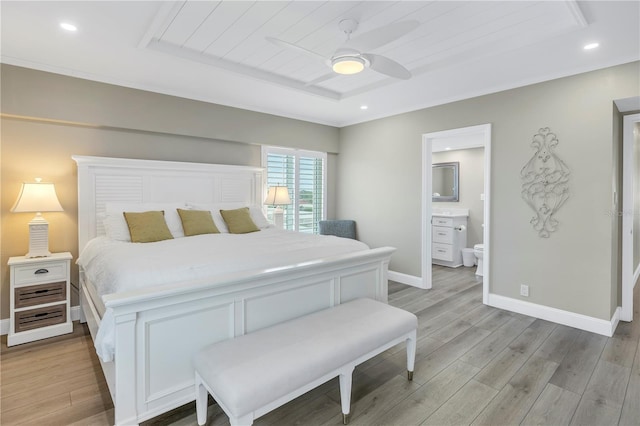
{"x": 380, "y": 36}
{"x": 287, "y": 45}
{"x": 321, "y": 79}
{"x": 387, "y": 66}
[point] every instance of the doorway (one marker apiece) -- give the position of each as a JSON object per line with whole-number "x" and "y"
{"x": 630, "y": 212}
{"x": 481, "y": 134}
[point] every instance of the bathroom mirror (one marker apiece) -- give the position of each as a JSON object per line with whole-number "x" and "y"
{"x": 445, "y": 181}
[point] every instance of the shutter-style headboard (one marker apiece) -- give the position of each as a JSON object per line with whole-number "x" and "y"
{"x": 102, "y": 180}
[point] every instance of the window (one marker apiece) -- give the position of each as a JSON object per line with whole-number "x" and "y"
{"x": 304, "y": 174}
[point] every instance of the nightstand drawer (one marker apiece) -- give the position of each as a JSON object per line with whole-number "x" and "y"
{"x": 50, "y": 271}
{"x": 441, "y": 252}
{"x": 40, "y": 294}
{"x": 442, "y": 235}
{"x": 40, "y": 317}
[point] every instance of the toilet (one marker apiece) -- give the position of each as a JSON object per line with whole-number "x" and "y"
{"x": 478, "y": 251}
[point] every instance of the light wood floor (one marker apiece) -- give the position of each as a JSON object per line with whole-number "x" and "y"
{"x": 475, "y": 365}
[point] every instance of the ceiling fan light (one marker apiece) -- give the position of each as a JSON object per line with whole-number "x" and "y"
{"x": 348, "y": 65}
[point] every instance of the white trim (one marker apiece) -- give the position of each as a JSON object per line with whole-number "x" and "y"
{"x": 574, "y": 8}
{"x": 75, "y": 313}
{"x": 625, "y": 208}
{"x": 159, "y": 23}
{"x": 427, "y": 146}
{"x": 427, "y": 212}
{"x": 615, "y": 319}
{"x": 486, "y": 265}
{"x": 5, "y": 323}
{"x": 401, "y": 278}
{"x": 571, "y": 319}
{"x": 628, "y": 104}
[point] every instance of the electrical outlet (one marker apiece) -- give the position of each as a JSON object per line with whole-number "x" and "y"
{"x": 524, "y": 290}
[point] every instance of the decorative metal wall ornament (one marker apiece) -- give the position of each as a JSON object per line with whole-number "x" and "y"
{"x": 545, "y": 182}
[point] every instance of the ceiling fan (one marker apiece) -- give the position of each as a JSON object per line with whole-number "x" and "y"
{"x": 353, "y": 57}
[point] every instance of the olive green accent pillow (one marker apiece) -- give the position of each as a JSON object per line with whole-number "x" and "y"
{"x": 239, "y": 221}
{"x": 197, "y": 222}
{"x": 147, "y": 227}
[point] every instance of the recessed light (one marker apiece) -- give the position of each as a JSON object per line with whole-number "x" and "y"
{"x": 448, "y": 148}
{"x": 68, "y": 27}
{"x": 591, "y": 46}
{"x": 364, "y": 107}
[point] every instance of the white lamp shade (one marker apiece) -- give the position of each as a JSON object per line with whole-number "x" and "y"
{"x": 278, "y": 196}
{"x": 37, "y": 197}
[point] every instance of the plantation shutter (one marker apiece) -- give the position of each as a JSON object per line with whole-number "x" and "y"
{"x": 303, "y": 173}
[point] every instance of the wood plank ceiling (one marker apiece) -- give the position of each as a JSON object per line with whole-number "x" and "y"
{"x": 231, "y": 35}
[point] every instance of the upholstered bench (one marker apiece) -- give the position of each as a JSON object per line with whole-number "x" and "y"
{"x": 255, "y": 373}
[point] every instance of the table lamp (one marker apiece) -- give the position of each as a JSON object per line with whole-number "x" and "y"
{"x": 38, "y": 197}
{"x": 278, "y": 196}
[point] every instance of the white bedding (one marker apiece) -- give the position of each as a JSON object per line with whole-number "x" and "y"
{"x": 117, "y": 266}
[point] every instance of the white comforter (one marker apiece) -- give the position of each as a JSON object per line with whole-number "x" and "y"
{"x": 116, "y": 266}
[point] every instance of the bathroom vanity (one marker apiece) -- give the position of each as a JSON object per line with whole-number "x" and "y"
{"x": 448, "y": 236}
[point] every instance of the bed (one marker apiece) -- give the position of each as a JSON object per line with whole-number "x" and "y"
{"x": 154, "y": 326}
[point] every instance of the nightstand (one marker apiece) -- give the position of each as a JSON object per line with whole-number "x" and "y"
{"x": 39, "y": 298}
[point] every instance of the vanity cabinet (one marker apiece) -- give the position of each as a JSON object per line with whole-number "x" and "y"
{"x": 448, "y": 238}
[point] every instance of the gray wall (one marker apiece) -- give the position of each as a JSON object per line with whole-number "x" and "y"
{"x": 471, "y": 185}
{"x": 46, "y": 118}
{"x": 571, "y": 270}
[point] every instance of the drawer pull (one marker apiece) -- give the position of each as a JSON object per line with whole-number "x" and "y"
{"x": 441, "y": 251}
{"x": 41, "y": 291}
{"x": 42, "y": 314}
{"x": 41, "y": 271}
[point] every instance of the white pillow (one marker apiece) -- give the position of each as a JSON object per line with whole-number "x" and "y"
{"x": 115, "y": 225}
{"x": 256, "y": 213}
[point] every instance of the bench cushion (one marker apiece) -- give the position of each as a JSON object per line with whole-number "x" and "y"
{"x": 255, "y": 369}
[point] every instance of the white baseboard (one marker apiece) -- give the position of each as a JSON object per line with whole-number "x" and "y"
{"x": 75, "y": 313}
{"x": 571, "y": 319}
{"x": 615, "y": 319}
{"x": 401, "y": 278}
{"x": 4, "y": 324}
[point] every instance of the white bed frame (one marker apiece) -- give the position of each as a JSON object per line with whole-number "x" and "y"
{"x": 158, "y": 330}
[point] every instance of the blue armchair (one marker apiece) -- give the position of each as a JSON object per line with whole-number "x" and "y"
{"x": 339, "y": 228}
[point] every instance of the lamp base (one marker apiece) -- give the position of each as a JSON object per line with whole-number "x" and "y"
{"x": 278, "y": 218}
{"x": 38, "y": 237}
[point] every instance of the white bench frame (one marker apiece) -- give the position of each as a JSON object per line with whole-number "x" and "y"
{"x": 345, "y": 373}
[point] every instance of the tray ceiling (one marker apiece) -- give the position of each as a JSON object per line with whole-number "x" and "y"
{"x": 231, "y": 36}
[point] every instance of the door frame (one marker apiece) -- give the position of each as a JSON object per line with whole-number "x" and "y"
{"x": 427, "y": 159}
{"x": 629, "y": 276}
